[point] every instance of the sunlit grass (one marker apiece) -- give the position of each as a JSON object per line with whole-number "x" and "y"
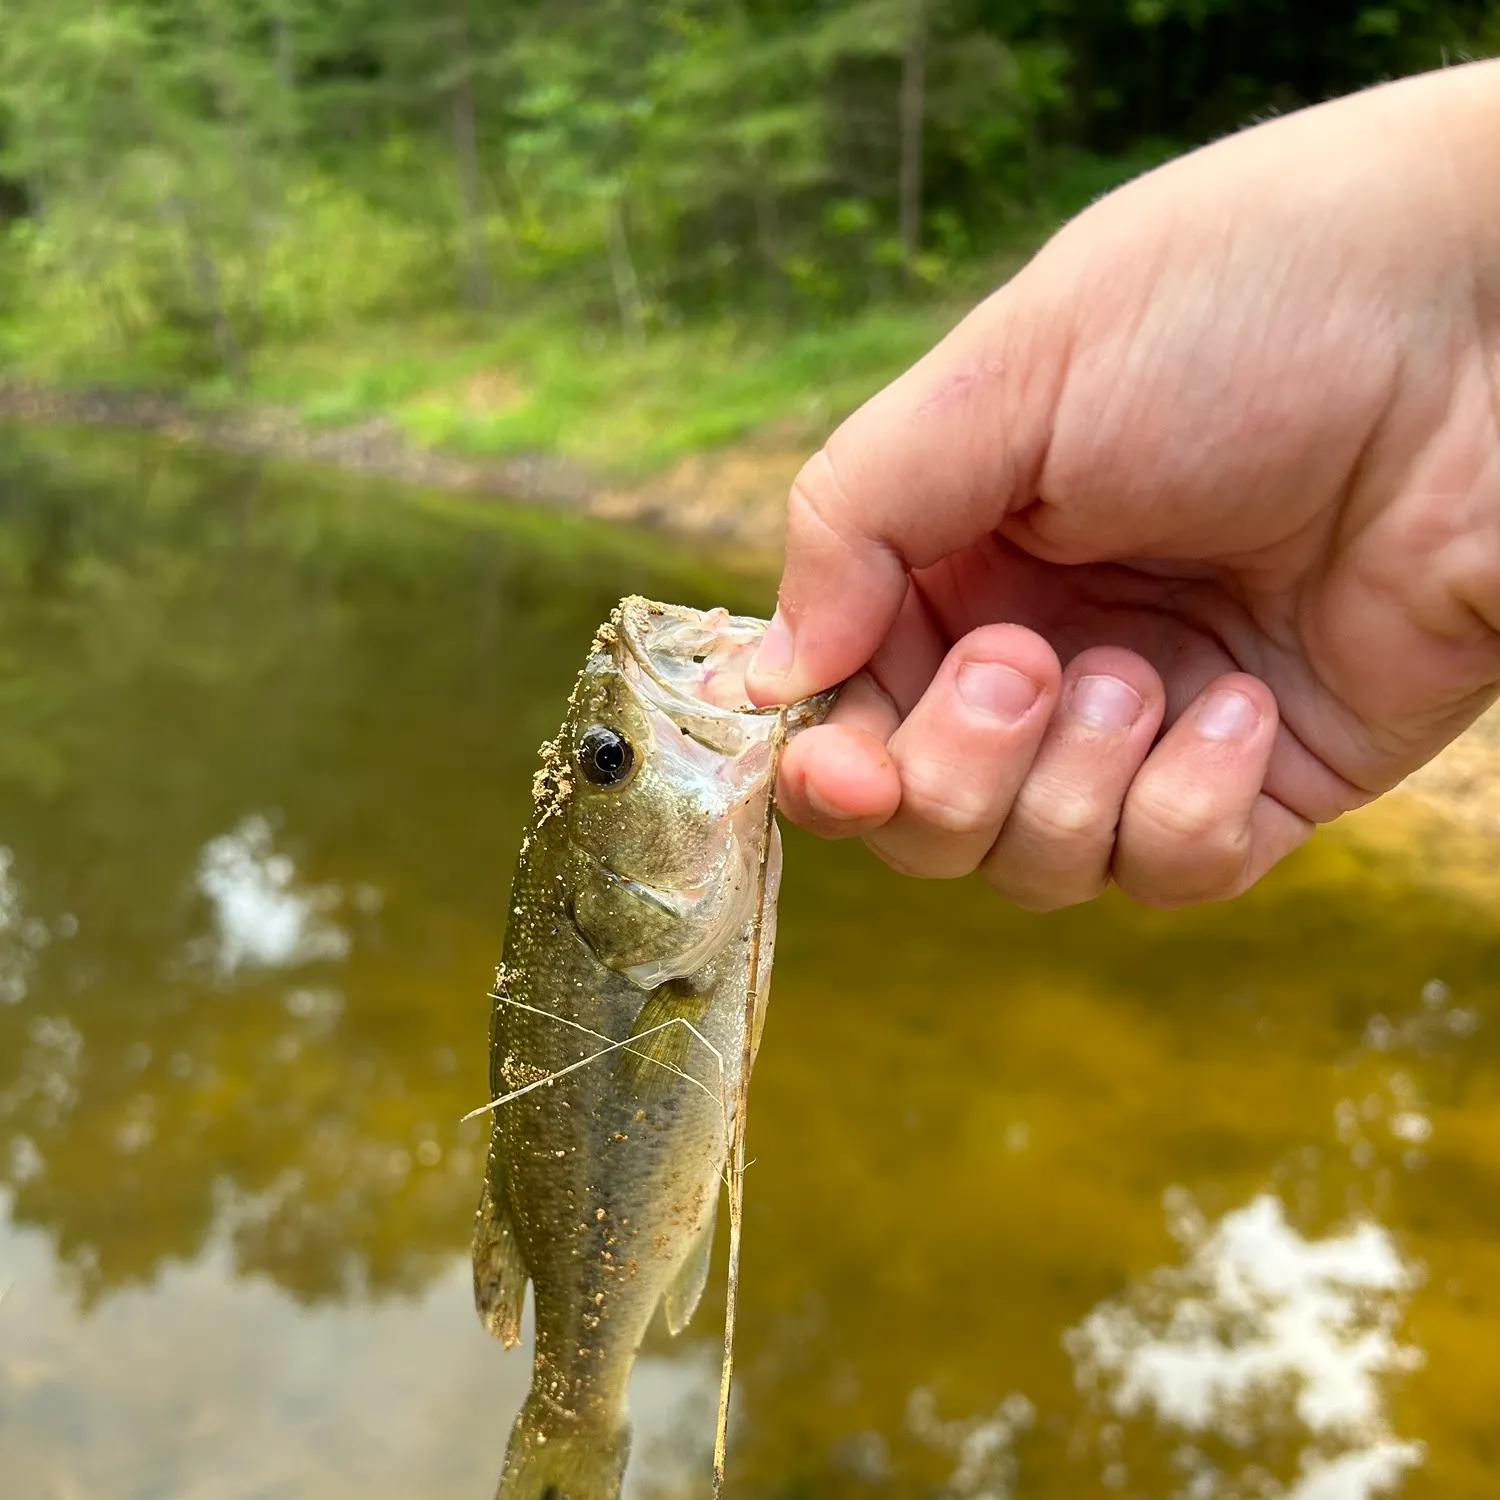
{"x": 544, "y": 384}
{"x": 548, "y": 371}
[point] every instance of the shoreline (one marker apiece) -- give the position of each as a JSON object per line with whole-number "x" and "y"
{"x": 730, "y": 495}
{"x": 733, "y": 494}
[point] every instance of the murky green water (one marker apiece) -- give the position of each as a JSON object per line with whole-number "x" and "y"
{"x": 1103, "y": 1204}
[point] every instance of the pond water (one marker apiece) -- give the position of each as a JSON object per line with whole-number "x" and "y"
{"x": 1108, "y": 1203}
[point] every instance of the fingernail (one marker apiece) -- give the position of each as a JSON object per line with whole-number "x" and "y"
{"x": 1227, "y": 716}
{"x": 773, "y": 657}
{"x": 1105, "y": 702}
{"x": 996, "y": 692}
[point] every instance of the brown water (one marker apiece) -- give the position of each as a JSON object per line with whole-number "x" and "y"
{"x": 1103, "y": 1204}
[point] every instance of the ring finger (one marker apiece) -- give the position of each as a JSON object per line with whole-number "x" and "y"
{"x": 1056, "y": 845}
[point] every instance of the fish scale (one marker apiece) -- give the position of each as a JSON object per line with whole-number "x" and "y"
{"x": 633, "y": 916}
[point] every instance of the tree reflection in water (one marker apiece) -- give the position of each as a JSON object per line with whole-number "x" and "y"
{"x": 267, "y": 740}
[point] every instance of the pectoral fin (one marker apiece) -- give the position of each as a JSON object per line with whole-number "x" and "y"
{"x": 500, "y": 1274}
{"x": 661, "y": 1045}
{"x": 685, "y": 1289}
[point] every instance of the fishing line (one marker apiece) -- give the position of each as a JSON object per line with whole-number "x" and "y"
{"x": 628, "y": 1045}
{"x": 742, "y": 1103}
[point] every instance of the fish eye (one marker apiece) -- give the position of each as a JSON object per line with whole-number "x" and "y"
{"x": 605, "y": 756}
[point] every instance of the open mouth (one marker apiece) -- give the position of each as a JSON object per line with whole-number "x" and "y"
{"x": 698, "y": 659}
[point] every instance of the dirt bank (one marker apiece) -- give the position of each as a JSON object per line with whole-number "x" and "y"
{"x": 735, "y": 495}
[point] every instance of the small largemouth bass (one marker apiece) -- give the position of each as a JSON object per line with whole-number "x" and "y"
{"x": 633, "y": 913}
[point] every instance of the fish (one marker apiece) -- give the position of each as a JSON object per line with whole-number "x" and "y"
{"x": 644, "y": 896}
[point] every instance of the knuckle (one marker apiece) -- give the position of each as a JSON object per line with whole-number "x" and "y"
{"x": 1056, "y": 813}
{"x": 1040, "y": 871}
{"x": 817, "y": 495}
{"x": 1178, "y": 814}
{"x": 951, "y": 808}
{"x": 1181, "y": 844}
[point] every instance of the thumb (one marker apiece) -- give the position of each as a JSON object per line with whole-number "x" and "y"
{"x": 927, "y": 466}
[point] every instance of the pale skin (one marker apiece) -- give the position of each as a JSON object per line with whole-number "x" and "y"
{"x": 1184, "y": 542}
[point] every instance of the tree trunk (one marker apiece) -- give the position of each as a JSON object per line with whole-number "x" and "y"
{"x": 208, "y": 288}
{"x": 913, "y": 106}
{"x": 767, "y": 219}
{"x": 286, "y": 56}
{"x": 229, "y": 98}
{"x": 479, "y": 286}
{"x": 622, "y": 269}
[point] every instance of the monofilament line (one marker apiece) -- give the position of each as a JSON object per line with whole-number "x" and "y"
{"x": 628, "y": 1045}
{"x": 741, "y": 1104}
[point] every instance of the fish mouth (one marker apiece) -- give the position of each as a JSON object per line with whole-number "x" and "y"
{"x": 697, "y": 661}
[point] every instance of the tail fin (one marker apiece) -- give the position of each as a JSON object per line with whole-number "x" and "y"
{"x": 551, "y": 1460}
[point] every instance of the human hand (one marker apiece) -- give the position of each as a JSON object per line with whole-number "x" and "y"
{"x": 1186, "y": 540}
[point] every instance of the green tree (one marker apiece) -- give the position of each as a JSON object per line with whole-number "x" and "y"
{"x": 185, "y": 184}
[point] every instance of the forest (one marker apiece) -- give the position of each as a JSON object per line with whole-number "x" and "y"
{"x": 341, "y": 201}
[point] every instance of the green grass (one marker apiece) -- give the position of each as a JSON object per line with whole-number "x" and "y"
{"x": 541, "y": 384}
{"x": 546, "y": 380}
{"x": 543, "y": 379}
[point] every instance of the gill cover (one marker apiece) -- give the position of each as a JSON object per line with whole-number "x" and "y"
{"x": 662, "y": 864}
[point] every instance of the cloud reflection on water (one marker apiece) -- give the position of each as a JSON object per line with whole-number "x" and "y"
{"x": 252, "y": 1210}
{"x": 264, "y": 916}
{"x": 985, "y": 1467}
{"x": 1261, "y": 1333}
{"x": 213, "y": 1384}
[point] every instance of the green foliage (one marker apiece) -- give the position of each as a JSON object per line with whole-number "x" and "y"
{"x": 544, "y": 385}
{"x": 193, "y": 191}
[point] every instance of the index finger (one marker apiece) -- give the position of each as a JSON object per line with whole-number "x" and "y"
{"x": 924, "y": 468}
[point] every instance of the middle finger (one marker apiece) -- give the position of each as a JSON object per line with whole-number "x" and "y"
{"x": 1057, "y": 843}
{"x": 965, "y": 748}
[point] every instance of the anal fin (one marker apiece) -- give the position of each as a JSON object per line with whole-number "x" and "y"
{"x": 500, "y": 1274}
{"x": 685, "y": 1290}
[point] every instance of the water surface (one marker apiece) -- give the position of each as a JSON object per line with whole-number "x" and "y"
{"x": 1108, "y": 1203}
